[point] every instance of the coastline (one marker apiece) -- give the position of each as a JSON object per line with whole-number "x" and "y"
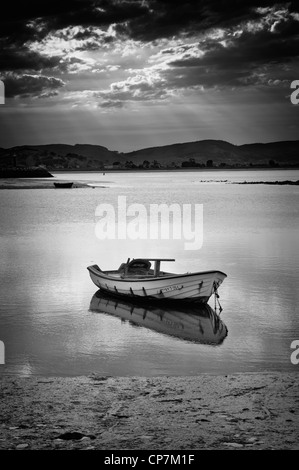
{"x": 188, "y": 169}
{"x": 239, "y": 411}
{"x": 20, "y": 183}
{"x": 36, "y": 183}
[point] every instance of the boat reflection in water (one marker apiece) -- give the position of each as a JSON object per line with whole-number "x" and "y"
{"x": 200, "y": 324}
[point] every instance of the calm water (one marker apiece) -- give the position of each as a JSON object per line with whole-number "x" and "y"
{"x": 52, "y": 323}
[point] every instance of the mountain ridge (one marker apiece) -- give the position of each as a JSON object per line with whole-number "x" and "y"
{"x": 195, "y": 153}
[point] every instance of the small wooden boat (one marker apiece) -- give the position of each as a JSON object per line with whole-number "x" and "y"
{"x": 199, "y": 323}
{"x": 137, "y": 280}
{"x": 63, "y": 185}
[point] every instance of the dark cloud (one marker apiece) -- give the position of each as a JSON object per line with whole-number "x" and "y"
{"x": 250, "y": 58}
{"x": 28, "y": 21}
{"x": 167, "y": 18}
{"x": 88, "y": 33}
{"x": 239, "y": 62}
{"x": 31, "y": 20}
{"x": 262, "y": 47}
{"x": 21, "y": 58}
{"x": 25, "y": 22}
{"x": 144, "y": 20}
{"x": 31, "y": 85}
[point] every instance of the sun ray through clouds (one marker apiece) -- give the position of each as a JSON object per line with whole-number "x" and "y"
{"x": 129, "y": 74}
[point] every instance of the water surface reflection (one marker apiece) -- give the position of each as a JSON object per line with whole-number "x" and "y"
{"x": 200, "y": 323}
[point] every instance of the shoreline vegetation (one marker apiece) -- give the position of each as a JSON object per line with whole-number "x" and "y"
{"x": 280, "y": 183}
{"x": 241, "y": 411}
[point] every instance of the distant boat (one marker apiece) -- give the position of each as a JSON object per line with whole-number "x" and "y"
{"x": 137, "y": 280}
{"x": 63, "y": 185}
{"x": 199, "y": 323}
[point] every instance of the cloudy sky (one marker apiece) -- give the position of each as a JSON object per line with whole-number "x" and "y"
{"x": 129, "y": 74}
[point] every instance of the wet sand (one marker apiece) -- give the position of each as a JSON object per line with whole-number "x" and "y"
{"x": 239, "y": 411}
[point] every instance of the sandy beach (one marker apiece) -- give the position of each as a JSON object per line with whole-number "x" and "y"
{"x": 239, "y": 411}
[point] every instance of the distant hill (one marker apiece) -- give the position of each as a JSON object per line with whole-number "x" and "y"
{"x": 221, "y": 152}
{"x": 96, "y": 152}
{"x": 282, "y": 152}
{"x": 59, "y": 156}
{"x": 201, "y": 151}
{"x": 95, "y": 157}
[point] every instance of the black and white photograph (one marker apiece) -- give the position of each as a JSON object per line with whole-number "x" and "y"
{"x": 149, "y": 228}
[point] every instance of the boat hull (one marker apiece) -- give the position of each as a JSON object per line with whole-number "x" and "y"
{"x": 63, "y": 185}
{"x": 193, "y": 287}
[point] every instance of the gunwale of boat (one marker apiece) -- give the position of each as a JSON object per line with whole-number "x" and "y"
{"x": 116, "y": 275}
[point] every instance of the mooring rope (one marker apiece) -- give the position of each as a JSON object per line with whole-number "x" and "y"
{"x": 217, "y": 299}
